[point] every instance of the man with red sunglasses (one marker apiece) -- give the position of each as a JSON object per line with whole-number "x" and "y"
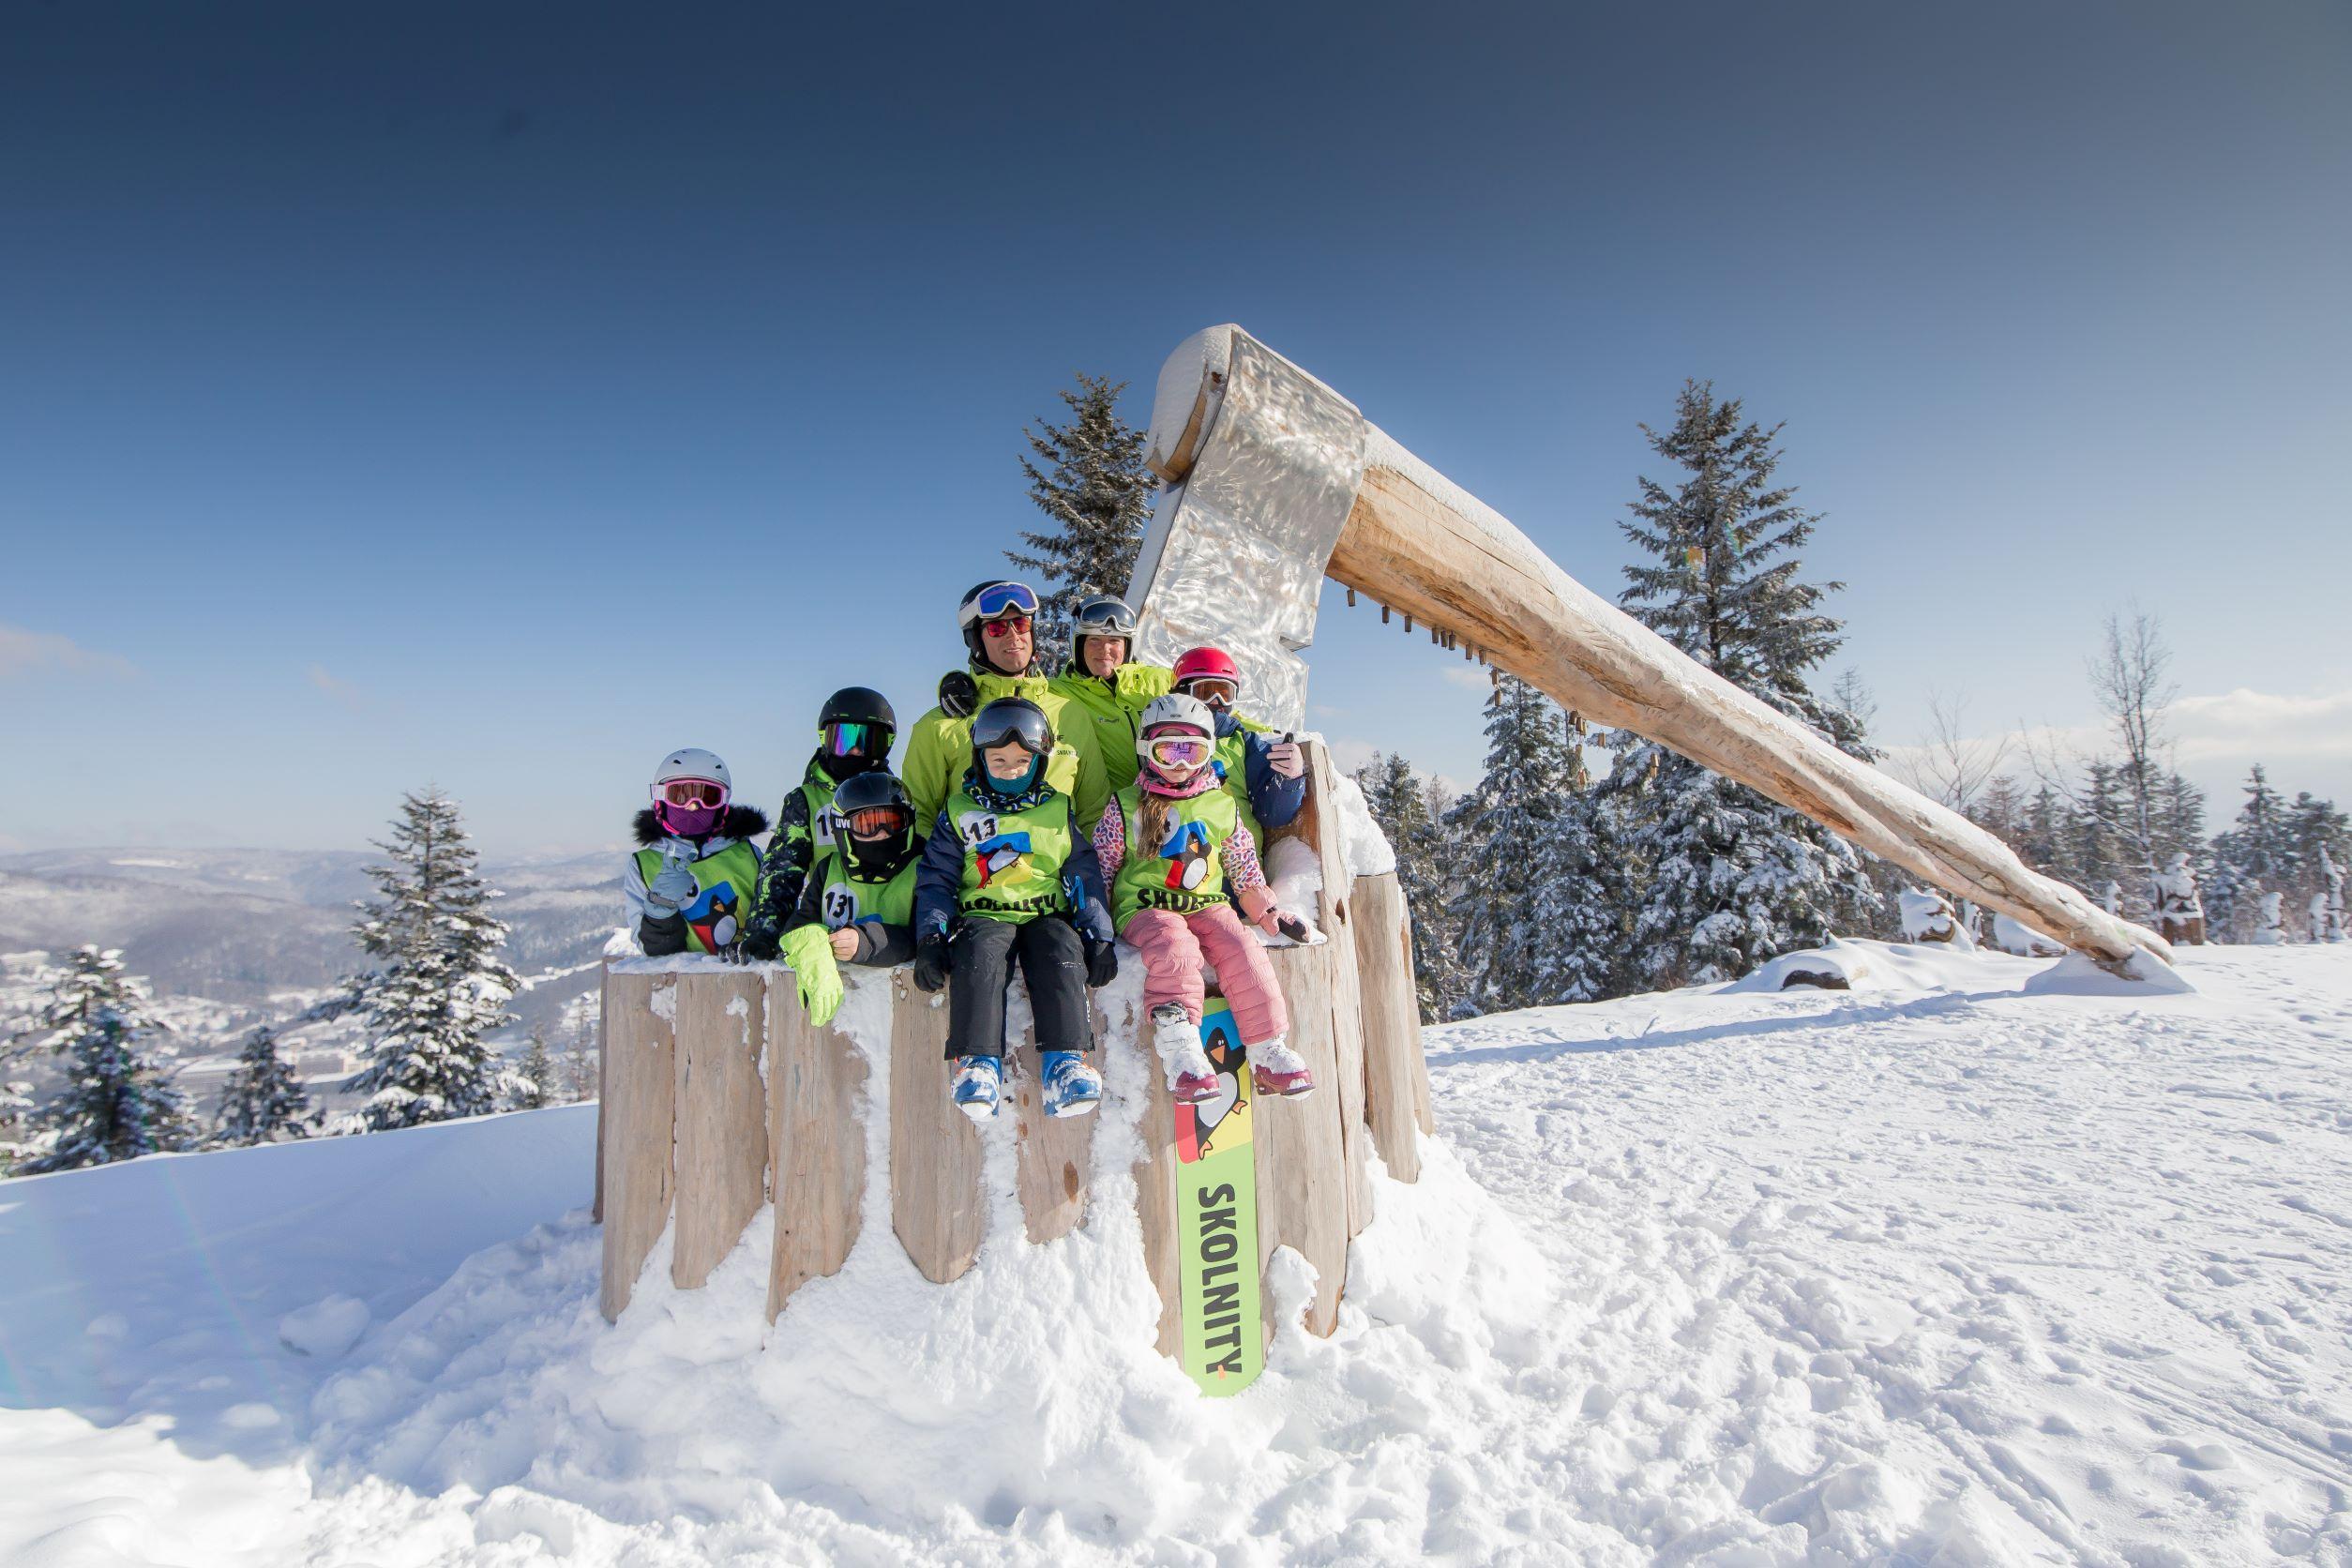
{"x": 690, "y": 884}
{"x": 999, "y": 621}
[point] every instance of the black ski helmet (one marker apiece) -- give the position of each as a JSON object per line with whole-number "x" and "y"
{"x": 875, "y": 859}
{"x": 855, "y": 729}
{"x": 1102, "y": 615}
{"x": 984, "y": 602}
{"x": 1021, "y": 721}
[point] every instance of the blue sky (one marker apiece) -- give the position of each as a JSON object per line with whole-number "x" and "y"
{"x": 501, "y": 396}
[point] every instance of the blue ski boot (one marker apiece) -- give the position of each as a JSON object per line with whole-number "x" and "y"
{"x": 979, "y": 1080}
{"x": 1072, "y": 1087}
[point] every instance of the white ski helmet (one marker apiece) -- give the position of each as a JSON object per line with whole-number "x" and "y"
{"x": 693, "y": 762}
{"x": 1172, "y": 712}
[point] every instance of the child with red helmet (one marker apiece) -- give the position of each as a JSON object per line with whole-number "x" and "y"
{"x": 1264, "y": 771}
{"x": 1169, "y": 845}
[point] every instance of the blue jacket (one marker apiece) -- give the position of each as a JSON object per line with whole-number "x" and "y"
{"x": 1275, "y": 800}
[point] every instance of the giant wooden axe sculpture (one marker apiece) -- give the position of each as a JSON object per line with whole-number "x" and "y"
{"x": 1275, "y": 481}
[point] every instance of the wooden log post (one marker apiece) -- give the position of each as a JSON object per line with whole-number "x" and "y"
{"x": 816, "y": 1111}
{"x": 936, "y": 1204}
{"x": 1155, "y": 1172}
{"x": 721, "y": 1118}
{"x": 1391, "y": 1025}
{"x": 634, "y": 1126}
{"x": 1052, "y": 1155}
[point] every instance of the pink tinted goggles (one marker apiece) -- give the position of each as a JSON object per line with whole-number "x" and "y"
{"x": 1180, "y": 751}
{"x": 689, "y": 794}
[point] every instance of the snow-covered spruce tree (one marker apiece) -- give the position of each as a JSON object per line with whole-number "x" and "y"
{"x": 579, "y": 1052}
{"x": 440, "y": 987}
{"x": 2253, "y": 855}
{"x": 1536, "y": 908}
{"x": 119, "y": 1102}
{"x": 537, "y": 1084}
{"x": 1088, "y": 477}
{"x": 261, "y": 1102}
{"x": 1729, "y": 879}
{"x": 1399, "y": 800}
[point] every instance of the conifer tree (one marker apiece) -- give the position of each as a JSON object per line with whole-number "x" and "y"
{"x": 1089, "y": 479}
{"x": 1729, "y": 877}
{"x": 580, "y": 1055}
{"x": 1399, "y": 802}
{"x": 440, "y": 986}
{"x": 2254, "y": 856}
{"x": 261, "y": 1099}
{"x": 119, "y": 1102}
{"x": 537, "y": 1085}
{"x": 1536, "y": 906}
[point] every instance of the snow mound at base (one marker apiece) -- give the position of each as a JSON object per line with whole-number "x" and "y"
{"x": 1026, "y": 1397}
{"x": 1928, "y": 967}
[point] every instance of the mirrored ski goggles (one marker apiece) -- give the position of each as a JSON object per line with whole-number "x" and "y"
{"x": 1002, "y": 598}
{"x": 1010, "y": 733}
{"x": 1177, "y": 752}
{"x": 877, "y": 822}
{"x": 690, "y": 794}
{"x": 1004, "y": 626}
{"x": 1215, "y": 690}
{"x": 854, "y": 740}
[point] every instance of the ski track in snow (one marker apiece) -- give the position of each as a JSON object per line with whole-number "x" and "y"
{"x": 1953, "y": 1276}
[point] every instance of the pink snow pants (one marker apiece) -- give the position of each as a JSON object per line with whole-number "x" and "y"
{"x": 1173, "y": 945}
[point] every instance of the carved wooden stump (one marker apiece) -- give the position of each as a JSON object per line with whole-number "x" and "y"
{"x": 635, "y": 1125}
{"x": 935, "y": 1201}
{"x": 721, "y": 1118}
{"x": 1391, "y": 1025}
{"x": 816, "y": 1111}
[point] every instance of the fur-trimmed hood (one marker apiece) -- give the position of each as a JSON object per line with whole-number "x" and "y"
{"x": 741, "y": 821}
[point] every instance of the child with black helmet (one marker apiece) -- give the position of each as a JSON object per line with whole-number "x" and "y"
{"x": 857, "y": 902}
{"x": 1009, "y": 872}
{"x": 855, "y": 729}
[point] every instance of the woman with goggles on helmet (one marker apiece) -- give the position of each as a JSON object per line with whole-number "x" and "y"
{"x": 999, "y": 619}
{"x": 690, "y": 884}
{"x": 1008, "y": 874}
{"x": 1101, "y": 684}
{"x": 857, "y": 902}
{"x": 1265, "y": 772}
{"x": 856, "y": 728}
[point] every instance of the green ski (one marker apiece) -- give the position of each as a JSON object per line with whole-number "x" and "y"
{"x": 1216, "y": 1219}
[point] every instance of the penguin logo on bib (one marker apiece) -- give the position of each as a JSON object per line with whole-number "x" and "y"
{"x": 1186, "y": 853}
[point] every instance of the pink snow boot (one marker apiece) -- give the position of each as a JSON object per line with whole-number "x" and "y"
{"x": 1278, "y": 1069}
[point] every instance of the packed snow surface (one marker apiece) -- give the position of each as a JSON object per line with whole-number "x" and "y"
{"x": 1988, "y": 1261}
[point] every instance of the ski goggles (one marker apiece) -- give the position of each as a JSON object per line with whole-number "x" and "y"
{"x": 854, "y": 740}
{"x": 1215, "y": 690}
{"x": 1176, "y": 751}
{"x": 877, "y": 822}
{"x": 1010, "y": 732}
{"x": 690, "y": 794}
{"x": 1003, "y": 599}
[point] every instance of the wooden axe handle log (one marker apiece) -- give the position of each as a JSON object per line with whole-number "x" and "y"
{"x": 1414, "y": 541}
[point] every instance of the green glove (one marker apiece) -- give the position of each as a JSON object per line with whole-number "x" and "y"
{"x": 809, "y": 950}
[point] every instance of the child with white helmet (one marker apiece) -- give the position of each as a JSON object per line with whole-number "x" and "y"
{"x": 690, "y": 885}
{"x": 1169, "y": 845}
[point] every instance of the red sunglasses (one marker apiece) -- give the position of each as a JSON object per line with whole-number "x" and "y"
{"x": 1002, "y": 626}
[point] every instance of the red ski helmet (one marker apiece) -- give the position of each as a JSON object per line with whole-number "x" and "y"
{"x": 1214, "y": 662}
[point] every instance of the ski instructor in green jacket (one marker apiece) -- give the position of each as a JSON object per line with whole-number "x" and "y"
{"x": 999, "y": 619}
{"x": 1111, "y": 691}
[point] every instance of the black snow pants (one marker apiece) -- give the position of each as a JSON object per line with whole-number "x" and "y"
{"x": 980, "y": 970}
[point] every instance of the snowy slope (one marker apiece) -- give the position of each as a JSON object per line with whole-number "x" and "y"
{"x": 1984, "y": 1260}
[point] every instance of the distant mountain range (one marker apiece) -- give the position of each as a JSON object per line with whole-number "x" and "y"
{"x": 236, "y": 926}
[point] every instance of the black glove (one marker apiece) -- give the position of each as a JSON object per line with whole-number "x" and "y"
{"x": 759, "y": 944}
{"x": 958, "y": 694}
{"x": 1102, "y": 962}
{"x": 931, "y": 962}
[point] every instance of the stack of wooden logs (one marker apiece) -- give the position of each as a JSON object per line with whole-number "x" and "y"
{"x": 694, "y": 1137}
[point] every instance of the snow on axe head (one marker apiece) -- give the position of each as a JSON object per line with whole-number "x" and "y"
{"x": 1273, "y": 480}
